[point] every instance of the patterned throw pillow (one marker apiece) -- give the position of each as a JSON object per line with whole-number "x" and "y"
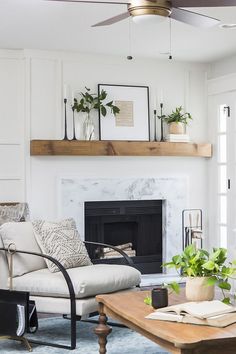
{"x": 61, "y": 240}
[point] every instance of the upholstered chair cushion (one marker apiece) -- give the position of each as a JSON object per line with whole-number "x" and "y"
{"x": 18, "y": 212}
{"x": 88, "y": 281}
{"x": 61, "y": 241}
{"x": 22, "y": 235}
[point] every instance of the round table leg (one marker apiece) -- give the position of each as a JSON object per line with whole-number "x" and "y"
{"x": 102, "y": 331}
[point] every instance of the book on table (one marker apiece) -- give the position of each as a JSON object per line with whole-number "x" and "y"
{"x": 209, "y": 313}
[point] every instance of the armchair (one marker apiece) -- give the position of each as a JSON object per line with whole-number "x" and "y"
{"x": 68, "y": 292}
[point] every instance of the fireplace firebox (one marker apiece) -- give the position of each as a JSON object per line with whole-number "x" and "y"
{"x": 135, "y": 226}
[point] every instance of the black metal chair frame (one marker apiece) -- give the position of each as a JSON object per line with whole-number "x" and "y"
{"x": 73, "y": 316}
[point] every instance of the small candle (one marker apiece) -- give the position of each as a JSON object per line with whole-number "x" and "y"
{"x": 161, "y": 96}
{"x": 65, "y": 92}
{"x": 155, "y": 102}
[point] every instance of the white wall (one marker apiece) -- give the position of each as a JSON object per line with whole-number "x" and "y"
{"x": 222, "y": 67}
{"x": 181, "y": 83}
{"x": 45, "y": 73}
{"x": 12, "y": 126}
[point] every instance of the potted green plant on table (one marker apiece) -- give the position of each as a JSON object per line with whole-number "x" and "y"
{"x": 89, "y": 102}
{"x": 204, "y": 270}
{"x": 177, "y": 121}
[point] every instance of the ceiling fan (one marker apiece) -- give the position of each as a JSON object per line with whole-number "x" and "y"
{"x": 162, "y": 9}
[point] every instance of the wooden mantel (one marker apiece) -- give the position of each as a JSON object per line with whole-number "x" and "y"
{"x": 117, "y": 148}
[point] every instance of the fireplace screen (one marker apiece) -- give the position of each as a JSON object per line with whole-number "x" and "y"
{"x": 133, "y": 226}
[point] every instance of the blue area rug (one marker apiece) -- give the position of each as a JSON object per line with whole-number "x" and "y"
{"x": 120, "y": 341}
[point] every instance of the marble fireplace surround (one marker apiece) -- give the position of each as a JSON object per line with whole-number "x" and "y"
{"x": 73, "y": 192}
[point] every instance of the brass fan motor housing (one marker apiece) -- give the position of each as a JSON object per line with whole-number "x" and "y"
{"x": 149, "y": 7}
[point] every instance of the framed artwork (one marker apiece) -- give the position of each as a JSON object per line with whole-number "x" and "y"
{"x": 133, "y": 120}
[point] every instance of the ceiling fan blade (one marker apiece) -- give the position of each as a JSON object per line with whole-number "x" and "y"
{"x": 193, "y": 18}
{"x": 112, "y": 20}
{"x": 121, "y": 2}
{"x": 203, "y": 3}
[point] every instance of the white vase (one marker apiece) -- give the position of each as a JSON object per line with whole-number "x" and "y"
{"x": 176, "y": 128}
{"x": 88, "y": 128}
{"x": 198, "y": 290}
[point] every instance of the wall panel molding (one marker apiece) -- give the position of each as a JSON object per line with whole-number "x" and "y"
{"x": 221, "y": 84}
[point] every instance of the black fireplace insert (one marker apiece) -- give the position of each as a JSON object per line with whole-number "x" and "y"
{"x": 133, "y": 225}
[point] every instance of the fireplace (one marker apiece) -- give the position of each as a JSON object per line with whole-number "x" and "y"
{"x": 133, "y": 225}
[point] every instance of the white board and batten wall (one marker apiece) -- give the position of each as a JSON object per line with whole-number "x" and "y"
{"x": 38, "y": 90}
{"x": 12, "y": 126}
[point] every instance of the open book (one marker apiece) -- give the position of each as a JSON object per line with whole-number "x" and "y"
{"x": 210, "y": 313}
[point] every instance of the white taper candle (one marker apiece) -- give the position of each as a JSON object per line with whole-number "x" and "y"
{"x": 160, "y": 96}
{"x": 65, "y": 91}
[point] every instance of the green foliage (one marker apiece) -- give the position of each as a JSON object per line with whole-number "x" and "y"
{"x": 90, "y": 101}
{"x": 226, "y": 300}
{"x": 175, "y": 287}
{"x": 148, "y": 300}
{"x": 194, "y": 262}
{"x": 178, "y": 116}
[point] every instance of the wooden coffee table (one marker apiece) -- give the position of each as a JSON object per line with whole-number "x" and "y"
{"x": 129, "y": 309}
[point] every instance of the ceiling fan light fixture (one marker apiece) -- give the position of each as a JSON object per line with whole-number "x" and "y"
{"x": 148, "y": 19}
{"x": 146, "y": 11}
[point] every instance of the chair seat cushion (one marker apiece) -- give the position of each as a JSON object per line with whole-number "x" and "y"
{"x": 87, "y": 281}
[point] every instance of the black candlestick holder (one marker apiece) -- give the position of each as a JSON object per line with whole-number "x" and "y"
{"x": 74, "y": 135}
{"x": 155, "y": 125}
{"x": 65, "y": 136}
{"x": 161, "y": 117}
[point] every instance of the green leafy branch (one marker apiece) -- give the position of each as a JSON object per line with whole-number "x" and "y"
{"x": 91, "y": 101}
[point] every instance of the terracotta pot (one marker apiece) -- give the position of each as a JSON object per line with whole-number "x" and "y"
{"x": 198, "y": 290}
{"x": 177, "y": 128}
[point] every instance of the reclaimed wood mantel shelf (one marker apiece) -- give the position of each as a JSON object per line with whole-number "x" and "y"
{"x": 117, "y": 148}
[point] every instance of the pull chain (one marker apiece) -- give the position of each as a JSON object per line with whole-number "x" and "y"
{"x": 170, "y": 42}
{"x": 130, "y": 57}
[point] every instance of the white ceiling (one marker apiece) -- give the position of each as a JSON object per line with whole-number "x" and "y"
{"x": 40, "y": 24}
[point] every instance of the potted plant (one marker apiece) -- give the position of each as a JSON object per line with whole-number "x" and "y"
{"x": 89, "y": 102}
{"x": 177, "y": 121}
{"x": 204, "y": 270}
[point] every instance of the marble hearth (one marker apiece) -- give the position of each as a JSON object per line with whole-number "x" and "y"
{"x": 74, "y": 192}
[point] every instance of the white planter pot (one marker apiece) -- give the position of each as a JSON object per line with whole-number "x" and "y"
{"x": 177, "y": 128}
{"x": 198, "y": 290}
